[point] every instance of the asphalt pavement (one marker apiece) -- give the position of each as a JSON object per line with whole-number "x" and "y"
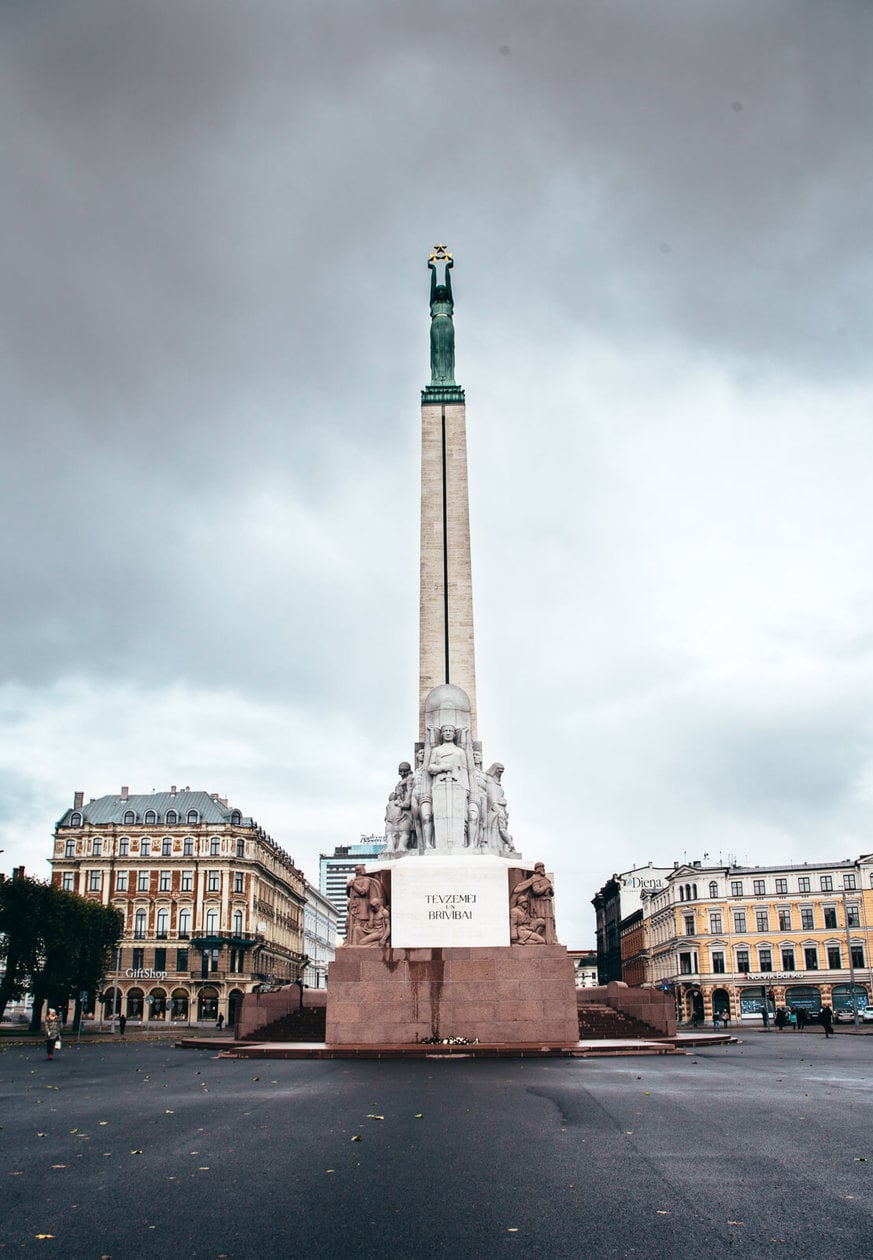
{"x": 759, "y": 1149}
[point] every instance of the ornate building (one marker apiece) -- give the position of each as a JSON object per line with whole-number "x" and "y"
{"x": 212, "y": 906}
{"x": 319, "y": 937}
{"x": 736, "y": 938}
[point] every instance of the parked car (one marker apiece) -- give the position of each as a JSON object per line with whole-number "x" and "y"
{"x": 867, "y": 1014}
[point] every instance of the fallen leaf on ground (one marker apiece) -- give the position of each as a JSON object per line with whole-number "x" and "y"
{"x": 358, "y": 1137}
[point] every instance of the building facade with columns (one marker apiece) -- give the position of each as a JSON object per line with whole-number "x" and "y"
{"x": 320, "y": 918}
{"x": 734, "y": 939}
{"x": 213, "y": 908}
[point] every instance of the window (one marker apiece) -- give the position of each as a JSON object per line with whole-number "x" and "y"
{"x": 830, "y": 917}
{"x": 145, "y": 848}
{"x": 758, "y": 887}
{"x": 184, "y": 922}
{"x": 97, "y": 846}
{"x": 193, "y": 817}
{"x": 858, "y": 956}
{"x": 240, "y": 848}
{"x": 736, "y": 888}
{"x": 68, "y": 881}
{"x": 164, "y": 881}
{"x": 150, "y": 818}
{"x": 121, "y": 881}
{"x": 123, "y": 847}
{"x": 849, "y": 881}
{"x": 762, "y": 921}
{"x": 213, "y": 881}
{"x": 211, "y": 922}
{"x": 852, "y": 917}
{"x": 718, "y": 961}
{"x": 715, "y": 923}
{"x": 235, "y": 818}
{"x": 810, "y": 955}
{"x": 75, "y": 820}
{"x": 742, "y": 960}
{"x": 835, "y": 961}
{"x": 685, "y": 964}
{"x": 238, "y": 881}
{"x": 142, "y": 881}
{"x": 172, "y": 817}
{"x": 139, "y": 925}
{"x": 787, "y": 958}
{"x": 765, "y": 958}
{"x": 827, "y": 883}
{"x": 138, "y": 959}
{"x": 129, "y": 817}
{"x": 782, "y": 886}
{"x": 807, "y": 918}
{"x": 163, "y": 923}
{"x": 181, "y": 960}
{"x": 237, "y": 922}
{"x": 713, "y": 889}
{"x": 187, "y": 881}
{"x": 70, "y": 849}
{"x": 214, "y": 847}
{"x": 166, "y": 846}
{"x": 739, "y": 920}
{"x": 188, "y": 847}
{"x": 803, "y": 883}
{"x": 784, "y": 920}
{"x": 160, "y": 959}
{"x": 95, "y": 881}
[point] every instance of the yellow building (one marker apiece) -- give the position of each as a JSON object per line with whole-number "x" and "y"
{"x": 732, "y": 939}
{"x": 212, "y": 907}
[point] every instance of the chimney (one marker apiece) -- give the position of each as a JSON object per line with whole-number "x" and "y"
{"x": 173, "y": 790}
{"x": 18, "y": 872}
{"x": 78, "y": 800}
{"x": 124, "y": 793}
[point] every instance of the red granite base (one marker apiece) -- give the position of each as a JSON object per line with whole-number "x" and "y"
{"x": 509, "y": 995}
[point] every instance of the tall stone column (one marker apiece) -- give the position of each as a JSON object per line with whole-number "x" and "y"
{"x": 446, "y": 644}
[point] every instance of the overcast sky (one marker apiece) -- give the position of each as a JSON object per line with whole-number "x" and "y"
{"x": 215, "y": 219}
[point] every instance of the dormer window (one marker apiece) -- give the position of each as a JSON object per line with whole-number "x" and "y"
{"x": 76, "y": 820}
{"x": 129, "y": 817}
{"x": 150, "y": 817}
{"x": 235, "y": 818}
{"x": 172, "y": 817}
{"x": 193, "y": 817}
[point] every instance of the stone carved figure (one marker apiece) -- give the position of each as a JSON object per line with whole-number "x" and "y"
{"x": 524, "y": 929}
{"x": 442, "y": 328}
{"x": 449, "y": 771}
{"x": 478, "y": 807}
{"x": 378, "y": 930}
{"x": 398, "y": 814}
{"x": 539, "y": 892}
{"x": 421, "y": 805}
{"x": 364, "y": 892}
{"x": 497, "y": 820}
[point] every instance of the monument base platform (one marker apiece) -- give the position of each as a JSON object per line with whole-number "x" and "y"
{"x": 511, "y": 995}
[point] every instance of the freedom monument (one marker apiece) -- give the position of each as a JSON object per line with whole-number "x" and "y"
{"x": 450, "y": 933}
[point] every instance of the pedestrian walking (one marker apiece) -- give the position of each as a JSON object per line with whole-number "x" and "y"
{"x": 219, "y": 1023}
{"x": 781, "y": 1019}
{"x": 52, "y": 1028}
{"x": 122, "y": 1024}
{"x": 827, "y": 1020}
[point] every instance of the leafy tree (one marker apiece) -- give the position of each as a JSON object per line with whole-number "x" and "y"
{"x": 22, "y": 909}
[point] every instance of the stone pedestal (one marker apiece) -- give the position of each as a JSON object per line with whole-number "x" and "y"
{"x": 508, "y": 995}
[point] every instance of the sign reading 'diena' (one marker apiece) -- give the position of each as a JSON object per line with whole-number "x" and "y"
{"x": 447, "y": 901}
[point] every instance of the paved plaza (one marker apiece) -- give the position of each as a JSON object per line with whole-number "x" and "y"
{"x": 124, "y": 1150}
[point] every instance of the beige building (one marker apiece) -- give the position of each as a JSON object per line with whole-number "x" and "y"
{"x": 736, "y": 939}
{"x": 212, "y": 906}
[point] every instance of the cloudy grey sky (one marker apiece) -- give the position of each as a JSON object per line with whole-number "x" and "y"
{"x": 215, "y": 219}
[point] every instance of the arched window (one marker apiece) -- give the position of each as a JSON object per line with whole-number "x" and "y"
{"x": 235, "y": 818}
{"x": 211, "y": 922}
{"x": 184, "y": 921}
{"x": 123, "y": 846}
{"x": 193, "y": 817}
{"x": 139, "y": 925}
{"x": 163, "y": 922}
{"x": 214, "y": 846}
{"x": 129, "y": 817}
{"x": 237, "y": 922}
{"x": 172, "y": 817}
{"x": 187, "y": 847}
{"x": 150, "y": 817}
{"x": 713, "y": 888}
{"x": 681, "y": 893}
{"x": 166, "y": 847}
{"x": 694, "y": 887}
{"x": 76, "y": 820}
{"x": 145, "y": 848}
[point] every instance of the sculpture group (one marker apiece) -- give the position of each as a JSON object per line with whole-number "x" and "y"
{"x": 448, "y": 803}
